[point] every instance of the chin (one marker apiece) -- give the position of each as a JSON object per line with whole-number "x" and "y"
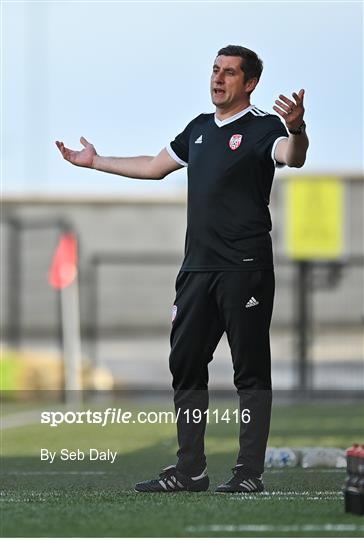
{"x": 217, "y": 103}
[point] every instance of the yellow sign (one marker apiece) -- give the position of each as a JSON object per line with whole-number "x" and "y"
{"x": 314, "y": 217}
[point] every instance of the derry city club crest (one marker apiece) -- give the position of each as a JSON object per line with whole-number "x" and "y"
{"x": 235, "y": 141}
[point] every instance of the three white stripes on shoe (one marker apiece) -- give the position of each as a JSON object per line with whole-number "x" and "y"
{"x": 248, "y": 485}
{"x": 173, "y": 483}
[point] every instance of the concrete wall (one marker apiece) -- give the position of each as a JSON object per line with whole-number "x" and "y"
{"x": 139, "y": 296}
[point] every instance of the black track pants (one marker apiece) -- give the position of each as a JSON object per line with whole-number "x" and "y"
{"x": 206, "y": 305}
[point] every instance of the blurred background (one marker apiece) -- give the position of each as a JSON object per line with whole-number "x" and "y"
{"x": 129, "y": 77}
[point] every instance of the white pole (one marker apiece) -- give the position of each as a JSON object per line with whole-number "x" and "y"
{"x": 71, "y": 342}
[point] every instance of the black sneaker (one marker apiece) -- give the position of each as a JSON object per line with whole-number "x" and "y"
{"x": 241, "y": 483}
{"x": 172, "y": 480}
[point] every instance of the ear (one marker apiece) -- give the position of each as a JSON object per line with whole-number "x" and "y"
{"x": 251, "y": 84}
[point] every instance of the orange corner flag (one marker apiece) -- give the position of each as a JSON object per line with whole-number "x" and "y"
{"x": 63, "y": 270}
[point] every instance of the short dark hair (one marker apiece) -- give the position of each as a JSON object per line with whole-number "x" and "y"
{"x": 251, "y": 64}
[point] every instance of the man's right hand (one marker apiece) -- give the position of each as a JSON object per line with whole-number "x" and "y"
{"x": 141, "y": 167}
{"x": 81, "y": 158}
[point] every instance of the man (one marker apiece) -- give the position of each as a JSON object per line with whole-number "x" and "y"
{"x": 226, "y": 283}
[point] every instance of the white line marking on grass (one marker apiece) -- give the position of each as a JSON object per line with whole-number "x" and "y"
{"x": 300, "y": 492}
{"x": 50, "y": 473}
{"x": 332, "y": 498}
{"x": 289, "y": 496}
{"x": 13, "y": 500}
{"x": 275, "y": 528}
{"x": 289, "y": 493}
{"x": 284, "y": 470}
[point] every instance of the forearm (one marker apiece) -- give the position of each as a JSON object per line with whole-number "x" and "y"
{"x": 131, "y": 167}
{"x": 296, "y": 150}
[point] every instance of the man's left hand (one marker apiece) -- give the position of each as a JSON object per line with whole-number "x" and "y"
{"x": 291, "y": 112}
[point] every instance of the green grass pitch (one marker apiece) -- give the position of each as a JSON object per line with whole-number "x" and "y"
{"x": 97, "y": 499}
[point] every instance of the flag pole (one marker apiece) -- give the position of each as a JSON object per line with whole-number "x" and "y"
{"x": 63, "y": 276}
{"x": 71, "y": 339}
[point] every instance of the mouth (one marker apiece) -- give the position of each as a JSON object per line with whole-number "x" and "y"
{"x": 218, "y": 92}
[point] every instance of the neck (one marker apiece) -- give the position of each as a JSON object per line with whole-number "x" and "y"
{"x": 222, "y": 114}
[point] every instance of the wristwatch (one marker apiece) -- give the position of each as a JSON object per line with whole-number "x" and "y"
{"x": 299, "y": 130}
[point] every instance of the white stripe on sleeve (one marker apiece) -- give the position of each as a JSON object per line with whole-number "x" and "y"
{"x": 276, "y": 163}
{"x": 174, "y": 156}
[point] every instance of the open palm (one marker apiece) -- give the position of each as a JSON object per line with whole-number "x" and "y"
{"x": 291, "y": 112}
{"x": 81, "y": 158}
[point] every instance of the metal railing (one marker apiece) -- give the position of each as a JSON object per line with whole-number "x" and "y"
{"x": 307, "y": 278}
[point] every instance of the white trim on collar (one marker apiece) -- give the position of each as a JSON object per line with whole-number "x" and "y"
{"x": 236, "y": 116}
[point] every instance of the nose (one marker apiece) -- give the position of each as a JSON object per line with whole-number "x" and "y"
{"x": 218, "y": 77}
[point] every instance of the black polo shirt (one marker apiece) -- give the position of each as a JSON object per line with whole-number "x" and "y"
{"x": 230, "y": 172}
